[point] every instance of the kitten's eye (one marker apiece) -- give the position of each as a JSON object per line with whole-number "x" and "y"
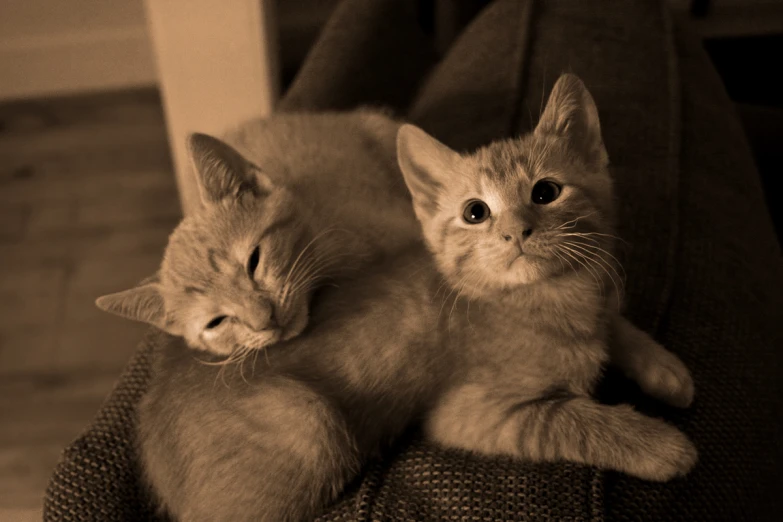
{"x": 214, "y": 323}
{"x": 476, "y": 211}
{"x": 252, "y": 263}
{"x": 545, "y": 192}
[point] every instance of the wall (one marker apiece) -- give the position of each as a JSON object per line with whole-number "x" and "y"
{"x": 61, "y": 47}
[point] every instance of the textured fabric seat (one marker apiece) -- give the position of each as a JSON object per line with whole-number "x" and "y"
{"x": 704, "y": 271}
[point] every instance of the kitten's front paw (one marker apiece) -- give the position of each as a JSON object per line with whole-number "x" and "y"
{"x": 667, "y": 379}
{"x": 670, "y": 454}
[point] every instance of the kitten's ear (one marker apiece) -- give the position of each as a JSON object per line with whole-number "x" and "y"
{"x": 571, "y": 113}
{"x": 426, "y": 165}
{"x": 222, "y": 171}
{"x": 142, "y": 303}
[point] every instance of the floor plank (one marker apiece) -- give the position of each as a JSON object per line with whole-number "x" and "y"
{"x": 88, "y": 199}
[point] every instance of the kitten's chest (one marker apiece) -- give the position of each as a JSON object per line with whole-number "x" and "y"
{"x": 537, "y": 345}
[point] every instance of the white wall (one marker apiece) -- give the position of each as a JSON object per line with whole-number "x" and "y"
{"x": 65, "y": 46}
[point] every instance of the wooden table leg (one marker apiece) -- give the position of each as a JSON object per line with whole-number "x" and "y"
{"x": 217, "y": 66}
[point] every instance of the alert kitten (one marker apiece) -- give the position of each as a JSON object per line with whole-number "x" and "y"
{"x": 488, "y": 338}
{"x": 523, "y": 231}
{"x": 287, "y": 202}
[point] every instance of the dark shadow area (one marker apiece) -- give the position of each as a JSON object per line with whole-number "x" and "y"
{"x": 753, "y": 82}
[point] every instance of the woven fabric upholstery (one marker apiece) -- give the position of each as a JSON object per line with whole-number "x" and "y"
{"x": 98, "y": 477}
{"x": 422, "y": 482}
{"x": 704, "y": 269}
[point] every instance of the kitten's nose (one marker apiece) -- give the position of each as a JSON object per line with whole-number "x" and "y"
{"x": 526, "y": 233}
{"x": 260, "y": 317}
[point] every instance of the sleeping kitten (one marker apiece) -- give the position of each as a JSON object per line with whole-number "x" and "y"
{"x": 301, "y": 204}
{"x": 495, "y": 343}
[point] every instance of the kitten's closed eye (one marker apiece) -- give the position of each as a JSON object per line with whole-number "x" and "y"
{"x": 476, "y": 211}
{"x": 545, "y": 192}
{"x": 214, "y": 323}
{"x": 252, "y": 263}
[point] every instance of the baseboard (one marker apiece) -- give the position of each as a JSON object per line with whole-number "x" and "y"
{"x": 69, "y": 63}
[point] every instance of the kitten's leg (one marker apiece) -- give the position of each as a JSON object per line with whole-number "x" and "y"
{"x": 659, "y": 372}
{"x": 561, "y": 427}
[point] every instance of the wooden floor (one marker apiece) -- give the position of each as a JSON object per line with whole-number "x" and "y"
{"x": 87, "y": 200}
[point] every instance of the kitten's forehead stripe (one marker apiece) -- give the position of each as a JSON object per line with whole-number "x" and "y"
{"x": 505, "y": 163}
{"x": 522, "y": 163}
{"x": 194, "y": 290}
{"x": 212, "y": 255}
{"x": 486, "y": 171}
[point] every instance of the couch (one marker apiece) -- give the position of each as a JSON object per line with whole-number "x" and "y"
{"x": 704, "y": 270}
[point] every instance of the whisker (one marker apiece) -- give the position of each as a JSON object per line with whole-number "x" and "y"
{"x": 312, "y": 271}
{"x": 307, "y": 281}
{"x": 217, "y": 376}
{"x": 223, "y": 362}
{"x": 222, "y": 374}
{"x": 445, "y": 298}
{"x": 574, "y": 221}
{"x": 442, "y": 284}
{"x": 580, "y": 236}
{"x": 616, "y": 261}
{"x": 559, "y": 258}
{"x": 255, "y": 360}
{"x": 599, "y": 259}
{"x": 302, "y": 252}
{"x": 241, "y": 364}
{"x": 476, "y": 287}
{"x": 600, "y": 234}
{"x": 595, "y": 259}
{"x": 571, "y": 253}
{"x": 307, "y": 246}
{"x": 543, "y": 90}
{"x": 600, "y": 262}
{"x": 454, "y": 304}
{"x": 457, "y": 287}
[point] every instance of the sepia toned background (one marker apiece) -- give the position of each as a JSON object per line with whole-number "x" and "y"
{"x": 89, "y": 181}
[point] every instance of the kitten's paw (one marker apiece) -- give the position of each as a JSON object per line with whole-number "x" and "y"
{"x": 667, "y": 379}
{"x": 668, "y": 455}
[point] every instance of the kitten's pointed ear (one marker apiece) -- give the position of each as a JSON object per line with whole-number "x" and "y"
{"x": 142, "y": 303}
{"x": 426, "y": 164}
{"x": 571, "y": 113}
{"x": 222, "y": 171}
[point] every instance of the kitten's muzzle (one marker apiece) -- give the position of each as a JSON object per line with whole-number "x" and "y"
{"x": 260, "y": 316}
{"x": 517, "y": 238}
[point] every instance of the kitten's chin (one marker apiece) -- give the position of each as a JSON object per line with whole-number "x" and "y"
{"x": 524, "y": 270}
